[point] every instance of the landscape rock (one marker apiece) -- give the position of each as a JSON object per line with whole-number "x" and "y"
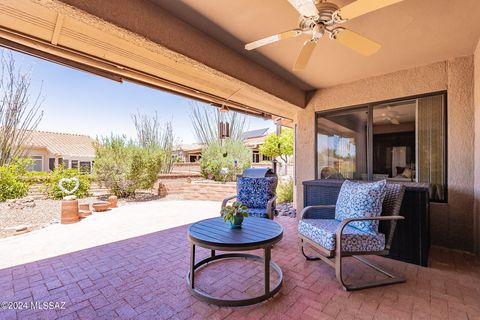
{"x": 22, "y": 203}
{"x": 286, "y": 209}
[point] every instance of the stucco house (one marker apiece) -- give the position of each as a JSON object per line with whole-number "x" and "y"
{"x": 50, "y": 149}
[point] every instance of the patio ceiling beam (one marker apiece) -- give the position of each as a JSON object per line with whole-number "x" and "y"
{"x": 153, "y": 22}
{"x": 112, "y": 72}
{"x": 58, "y": 32}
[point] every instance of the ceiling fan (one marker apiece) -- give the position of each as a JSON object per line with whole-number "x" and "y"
{"x": 392, "y": 115}
{"x": 319, "y": 18}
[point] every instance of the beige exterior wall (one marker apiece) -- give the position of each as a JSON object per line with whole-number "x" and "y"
{"x": 451, "y": 223}
{"x": 477, "y": 146}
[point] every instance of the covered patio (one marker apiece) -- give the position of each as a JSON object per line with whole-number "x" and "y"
{"x": 409, "y": 114}
{"x": 144, "y": 278}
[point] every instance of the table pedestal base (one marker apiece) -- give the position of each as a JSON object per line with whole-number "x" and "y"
{"x": 240, "y": 302}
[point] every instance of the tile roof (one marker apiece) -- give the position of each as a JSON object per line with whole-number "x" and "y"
{"x": 63, "y": 144}
{"x": 190, "y": 147}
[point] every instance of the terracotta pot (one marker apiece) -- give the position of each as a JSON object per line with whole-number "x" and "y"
{"x": 113, "y": 201}
{"x": 84, "y": 210}
{"x": 101, "y": 206}
{"x": 84, "y": 206}
{"x": 69, "y": 212}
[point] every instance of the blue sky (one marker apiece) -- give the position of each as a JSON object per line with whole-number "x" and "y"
{"x": 79, "y": 102}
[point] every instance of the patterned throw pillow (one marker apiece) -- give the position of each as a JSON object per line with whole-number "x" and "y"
{"x": 255, "y": 192}
{"x": 361, "y": 200}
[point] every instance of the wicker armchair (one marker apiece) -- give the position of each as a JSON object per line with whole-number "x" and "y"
{"x": 345, "y": 240}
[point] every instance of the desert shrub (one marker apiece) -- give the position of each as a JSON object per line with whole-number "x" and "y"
{"x": 285, "y": 192}
{"x": 53, "y": 178}
{"x": 12, "y": 182}
{"x": 222, "y": 161}
{"x": 124, "y": 167}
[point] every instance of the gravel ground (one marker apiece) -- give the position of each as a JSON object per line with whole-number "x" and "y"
{"x": 44, "y": 213}
{"x": 47, "y": 211}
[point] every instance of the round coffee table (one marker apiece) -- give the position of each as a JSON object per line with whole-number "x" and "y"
{"x": 215, "y": 234}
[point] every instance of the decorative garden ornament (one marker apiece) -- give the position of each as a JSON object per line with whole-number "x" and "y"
{"x": 68, "y": 180}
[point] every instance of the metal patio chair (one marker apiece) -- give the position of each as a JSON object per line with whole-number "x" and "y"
{"x": 335, "y": 239}
{"x": 258, "y": 194}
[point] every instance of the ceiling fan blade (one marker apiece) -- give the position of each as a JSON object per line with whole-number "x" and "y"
{"x": 274, "y": 38}
{"x": 305, "y": 54}
{"x": 356, "y": 41}
{"x": 361, "y": 7}
{"x": 305, "y": 7}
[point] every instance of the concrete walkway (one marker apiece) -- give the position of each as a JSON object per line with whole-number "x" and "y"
{"x": 102, "y": 228}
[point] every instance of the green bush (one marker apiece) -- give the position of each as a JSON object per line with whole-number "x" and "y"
{"x": 285, "y": 192}
{"x": 12, "y": 182}
{"x": 230, "y": 154}
{"x": 54, "y": 177}
{"x": 124, "y": 167}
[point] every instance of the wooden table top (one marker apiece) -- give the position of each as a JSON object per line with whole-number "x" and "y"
{"x": 255, "y": 232}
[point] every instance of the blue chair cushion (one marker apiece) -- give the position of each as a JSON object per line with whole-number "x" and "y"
{"x": 322, "y": 231}
{"x": 257, "y": 212}
{"x": 255, "y": 192}
{"x": 361, "y": 200}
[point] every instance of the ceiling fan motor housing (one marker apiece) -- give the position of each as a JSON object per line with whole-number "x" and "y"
{"x": 325, "y": 11}
{"x": 324, "y": 17}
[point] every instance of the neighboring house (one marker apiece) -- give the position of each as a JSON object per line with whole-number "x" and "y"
{"x": 50, "y": 149}
{"x": 190, "y": 152}
{"x": 252, "y": 139}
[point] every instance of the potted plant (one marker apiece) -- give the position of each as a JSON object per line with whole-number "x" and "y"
{"x": 234, "y": 214}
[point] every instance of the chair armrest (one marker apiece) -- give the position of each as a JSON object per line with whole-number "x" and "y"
{"x": 225, "y": 201}
{"x": 345, "y": 222}
{"x": 304, "y": 210}
{"x": 270, "y": 207}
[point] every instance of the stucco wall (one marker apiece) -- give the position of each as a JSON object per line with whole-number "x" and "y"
{"x": 477, "y": 145}
{"x": 451, "y": 223}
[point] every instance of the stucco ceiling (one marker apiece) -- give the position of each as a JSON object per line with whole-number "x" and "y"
{"x": 412, "y": 33}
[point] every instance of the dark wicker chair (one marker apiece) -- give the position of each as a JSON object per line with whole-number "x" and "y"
{"x": 390, "y": 212}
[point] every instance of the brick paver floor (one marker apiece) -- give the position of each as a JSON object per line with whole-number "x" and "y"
{"x": 144, "y": 278}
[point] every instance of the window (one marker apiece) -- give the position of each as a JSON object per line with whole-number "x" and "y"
{"x": 255, "y": 157}
{"x": 51, "y": 164}
{"x": 65, "y": 163}
{"x": 342, "y": 145}
{"x": 85, "y": 166}
{"x": 74, "y": 164}
{"x": 265, "y": 158}
{"x": 401, "y": 141}
{"x": 37, "y": 164}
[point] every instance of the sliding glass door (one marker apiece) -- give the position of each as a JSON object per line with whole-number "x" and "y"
{"x": 402, "y": 141}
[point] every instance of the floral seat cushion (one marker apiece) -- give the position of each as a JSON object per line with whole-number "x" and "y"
{"x": 322, "y": 231}
{"x": 255, "y": 192}
{"x": 361, "y": 200}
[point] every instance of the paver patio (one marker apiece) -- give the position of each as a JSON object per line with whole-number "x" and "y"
{"x": 144, "y": 278}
